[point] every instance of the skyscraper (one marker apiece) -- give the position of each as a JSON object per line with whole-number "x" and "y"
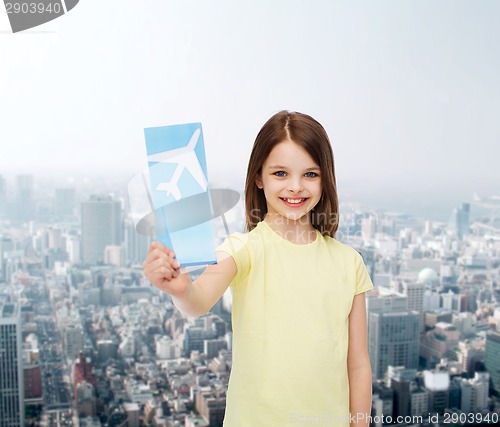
{"x": 393, "y": 340}
{"x": 65, "y": 202}
{"x": 475, "y": 392}
{"x": 25, "y": 204}
{"x": 136, "y": 244}
{"x": 459, "y": 223}
{"x": 492, "y": 359}
{"x": 101, "y": 226}
{"x": 11, "y": 367}
{"x": 3, "y": 197}
{"x": 393, "y": 332}
{"x": 414, "y": 291}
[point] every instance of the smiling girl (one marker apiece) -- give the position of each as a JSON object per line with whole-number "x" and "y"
{"x": 298, "y": 309}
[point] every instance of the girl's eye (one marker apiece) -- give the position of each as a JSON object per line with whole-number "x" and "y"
{"x": 280, "y": 173}
{"x": 311, "y": 174}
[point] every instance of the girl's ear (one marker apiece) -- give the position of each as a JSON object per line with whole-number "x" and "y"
{"x": 258, "y": 181}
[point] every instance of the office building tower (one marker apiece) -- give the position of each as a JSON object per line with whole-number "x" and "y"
{"x": 3, "y": 197}
{"x": 419, "y": 401}
{"x": 85, "y": 399}
{"x": 454, "y": 393}
{"x": 464, "y": 224}
{"x": 459, "y": 224}
{"x": 101, "y": 226}
{"x": 6, "y": 246}
{"x": 73, "y": 248}
{"x": 11, "y": 367}
{"x": 437, "y": 384}
{"x": 492, "y": 360}
{"x": 393, "y": 332}
{"x": 440, "y": 342}
{"x": 73, "y": 339}
{"x": 414, "y": 291}
{"x": 211, "y": 405}
{"x": 383, "y": 400}
{"x": 402, "y": 397}
{"x": 25, "y": 204}
{"x": 114, "y": 255}
{"x": 136, "y": 244}
{"x": 65, "y": 203}
{"x": 475, "y": 393}
{"x": 393, "y": 340}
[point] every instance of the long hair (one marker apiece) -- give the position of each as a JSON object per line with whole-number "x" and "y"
{"x": 310, "y": 135}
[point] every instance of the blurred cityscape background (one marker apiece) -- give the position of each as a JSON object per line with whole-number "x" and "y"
{"x": 86, "y": 340}
{"x": 409, "y": 94}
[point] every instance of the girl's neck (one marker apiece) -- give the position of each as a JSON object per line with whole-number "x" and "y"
{"x": 296, "y": 231}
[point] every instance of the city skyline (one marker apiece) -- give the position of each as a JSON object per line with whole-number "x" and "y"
{"x": 407, "y": 91}
{"x": 431, "y": 206}
{"x": 99, "y": 343}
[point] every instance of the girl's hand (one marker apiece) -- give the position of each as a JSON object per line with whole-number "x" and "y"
{"x": 162, "y": 270}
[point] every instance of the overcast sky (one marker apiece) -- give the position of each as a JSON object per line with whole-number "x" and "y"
{"x": 407, "y": 90}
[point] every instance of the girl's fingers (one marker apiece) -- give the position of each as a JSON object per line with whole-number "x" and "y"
{"x": 162, "y": 267}
{"x": 175, "y": 263}
{"x": 160, "y": 264}
{"x": 154, "y": 255}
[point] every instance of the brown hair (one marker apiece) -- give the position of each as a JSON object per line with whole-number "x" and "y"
{"x": 310, "y": 135}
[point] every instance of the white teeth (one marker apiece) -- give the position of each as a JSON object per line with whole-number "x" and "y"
{"x": 294, "y": 201}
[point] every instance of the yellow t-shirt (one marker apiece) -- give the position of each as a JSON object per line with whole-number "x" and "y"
{"x": 290, "y": 313}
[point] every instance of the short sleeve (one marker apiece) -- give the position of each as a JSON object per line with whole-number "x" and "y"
{"x": 363, "y": 281}
{"x": 236, "y": 245}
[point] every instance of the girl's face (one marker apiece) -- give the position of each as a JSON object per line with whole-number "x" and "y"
{"x": 291, "y": 181}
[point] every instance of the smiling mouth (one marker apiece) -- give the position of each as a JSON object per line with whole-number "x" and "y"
{"x": 293, "y": 202}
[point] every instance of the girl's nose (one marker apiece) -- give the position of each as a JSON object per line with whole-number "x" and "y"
{"x": 295, "y": 186}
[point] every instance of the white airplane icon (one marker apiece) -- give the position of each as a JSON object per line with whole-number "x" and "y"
{"x": 185, "y": 158}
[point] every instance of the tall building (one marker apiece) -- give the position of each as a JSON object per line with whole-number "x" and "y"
{"x": 492, "y": 359}
{"x": 73, "y": 339}
{"x": 136, "y": 244}
{"x": 414, "y": 291}
{"x": 85, "y": 399}
{"x": 393, "y": 332}
{"x": 3, "y": 197}
{"x": 11, "y": 367}
{"x": 459, "y": 223}
{"x": 25, "y": 204}
{"x": 475, "y": 393}
{"x": 437, "y": 384}
{"x": 393, "y": 340}
{"x": 419, "y": 401}
{"x": 440, "y": 342}
{"x": 211, "y": 405}
{"x": 114, "y": 255}
{"x": 101, "y": 226}
{"x": 65, "y": 203}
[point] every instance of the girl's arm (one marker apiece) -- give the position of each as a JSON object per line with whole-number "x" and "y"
{"x": 358, "y": 364}
{"x": 191, "y": 298}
